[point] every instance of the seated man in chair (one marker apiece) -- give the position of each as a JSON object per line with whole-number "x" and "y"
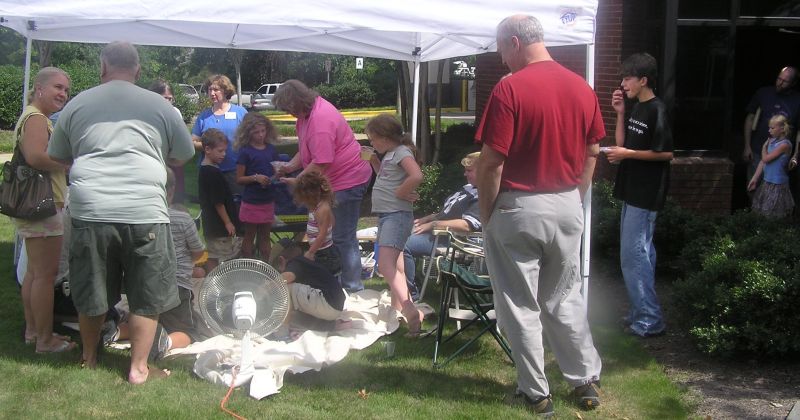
{"x": 459, "y": 214}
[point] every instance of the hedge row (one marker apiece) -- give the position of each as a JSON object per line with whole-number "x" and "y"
{"x": 738, "y": 277}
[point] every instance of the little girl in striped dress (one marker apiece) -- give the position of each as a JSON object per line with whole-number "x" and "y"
{"x": 314, "y": 191}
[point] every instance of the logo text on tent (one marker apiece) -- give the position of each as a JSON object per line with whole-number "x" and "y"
{"x": 569, "y": 17}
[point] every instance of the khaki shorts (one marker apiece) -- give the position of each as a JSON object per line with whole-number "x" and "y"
{"x": 224, "y": 248}
{"x": 50, "y": 226}
{"x": 308, "y": 300}
{"x": 107, "y": 258}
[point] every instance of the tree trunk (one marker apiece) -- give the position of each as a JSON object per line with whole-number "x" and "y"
{"x": 404, "y": 84}
{"x": 236, "y": 55}
{"x": 437, "y": 143}
{"x": 45, "y": 49}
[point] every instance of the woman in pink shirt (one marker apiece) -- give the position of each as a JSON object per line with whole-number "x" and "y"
{"x": 326, "y": 144}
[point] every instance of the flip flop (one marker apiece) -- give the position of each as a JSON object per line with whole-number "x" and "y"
{"x": 160, "y": 345}
{"x": 58, "y": 336}
{"x": 64, "y": 346}
{"x": 156, "y": 373}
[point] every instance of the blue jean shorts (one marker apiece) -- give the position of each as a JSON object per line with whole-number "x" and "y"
{"x": 394, "y": 228}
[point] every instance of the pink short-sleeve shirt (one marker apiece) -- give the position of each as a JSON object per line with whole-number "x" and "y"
{"x": 326, "y": 138}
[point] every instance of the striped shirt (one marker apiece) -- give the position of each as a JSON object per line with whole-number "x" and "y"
{"x": 186, "y": 240}
{"x": 312, "y": 231}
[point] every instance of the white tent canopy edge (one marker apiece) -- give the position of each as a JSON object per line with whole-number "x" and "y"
{"x": 412, "y": 30}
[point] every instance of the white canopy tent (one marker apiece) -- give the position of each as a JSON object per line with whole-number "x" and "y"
{"x": 410, "y": 30}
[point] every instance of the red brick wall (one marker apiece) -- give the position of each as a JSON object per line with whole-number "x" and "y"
{"x": 703, "y": 184}
{"x": 489, "y": 69}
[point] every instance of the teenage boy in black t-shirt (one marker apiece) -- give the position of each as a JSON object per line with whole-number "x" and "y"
{"x": 216, "y": 202}
{"x": 643, "y": 151}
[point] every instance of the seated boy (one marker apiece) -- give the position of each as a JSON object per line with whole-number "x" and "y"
{"x": 216, "y": 202}
{"x": 177, "y": 326}
{"x": 312, "y": 288}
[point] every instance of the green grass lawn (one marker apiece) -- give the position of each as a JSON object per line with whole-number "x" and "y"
{"x": 6, "y": 141}
{"x": 405, "y": 386}
{"x": 287, "y": 128}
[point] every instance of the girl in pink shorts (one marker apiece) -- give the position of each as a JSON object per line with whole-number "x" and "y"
{"x": 254, "y": 170}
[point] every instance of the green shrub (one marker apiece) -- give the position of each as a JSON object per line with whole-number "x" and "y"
{"x": 605, "y": 220}
{"x": 189, "y": 108}
{"x": 348, "y": 94}
{"x": 10, "y": 95}
{"x": 738, "y": 297}
{"x": 457, "y": 141}
{"x": 429, "y": 192}
{"x": 82, "y": 76}
{"x": 438, "y": 183}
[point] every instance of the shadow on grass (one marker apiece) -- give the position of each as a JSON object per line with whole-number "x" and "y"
{"x": 479, "y": 378}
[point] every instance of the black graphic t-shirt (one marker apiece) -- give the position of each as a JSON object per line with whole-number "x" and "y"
{"x": 642, "y": 183}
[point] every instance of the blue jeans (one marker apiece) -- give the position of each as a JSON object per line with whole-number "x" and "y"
{"x": 419, "y": 245}
{"x": 347, "y": 211}
{"x": 638, "y": 260}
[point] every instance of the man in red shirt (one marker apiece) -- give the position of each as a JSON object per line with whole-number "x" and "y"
{"x": 540, "y": 135}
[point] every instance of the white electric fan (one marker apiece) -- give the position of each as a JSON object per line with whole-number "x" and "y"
{"x": 244, "y": 297}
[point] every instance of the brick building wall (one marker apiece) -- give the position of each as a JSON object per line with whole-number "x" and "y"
{"x": 624, "y": 27}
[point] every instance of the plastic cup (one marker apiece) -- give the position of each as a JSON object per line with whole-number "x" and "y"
{"x": 389, "y": 346}
{"x": 366, "y": 154}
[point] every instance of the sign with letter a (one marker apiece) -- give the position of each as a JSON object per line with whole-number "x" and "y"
{"x": 359, "y": 63}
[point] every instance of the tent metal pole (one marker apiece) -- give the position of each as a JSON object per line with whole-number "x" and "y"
{"x": 415, "y": 105}
{"x": 587, "y": 200}
{"x": 27, "y": 78}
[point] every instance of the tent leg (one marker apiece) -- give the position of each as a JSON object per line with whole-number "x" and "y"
{"x": 415, "y": 105}
{"x": 587, "y": 200}
{"x": 27, "y": 78}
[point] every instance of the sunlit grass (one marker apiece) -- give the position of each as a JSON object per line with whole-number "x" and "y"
{"x": 405, "y": 386}
{"x": 6, "y": 141}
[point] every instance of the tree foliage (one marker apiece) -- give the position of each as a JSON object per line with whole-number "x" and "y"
{"x": 13, "y": 47}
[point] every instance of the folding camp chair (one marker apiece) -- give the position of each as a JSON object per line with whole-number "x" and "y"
{"x": 460, "y": 272}
{"x": 428, "y": 262}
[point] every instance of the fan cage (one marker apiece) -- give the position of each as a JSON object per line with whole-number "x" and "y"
{"x": 270, "y": 291}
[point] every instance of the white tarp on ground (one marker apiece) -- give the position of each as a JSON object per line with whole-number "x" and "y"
{"x": 371, "y": 317}
{"x": 436, "y": 29}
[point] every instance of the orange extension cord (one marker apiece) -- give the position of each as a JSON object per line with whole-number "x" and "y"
{"x": 228, "y": 395}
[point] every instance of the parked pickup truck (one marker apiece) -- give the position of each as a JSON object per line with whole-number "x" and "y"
{"x": 246, "y": 95}
{"x": 261, "y": 99}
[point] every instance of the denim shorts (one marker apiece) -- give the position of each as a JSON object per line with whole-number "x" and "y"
{"x": 394, "y": 228}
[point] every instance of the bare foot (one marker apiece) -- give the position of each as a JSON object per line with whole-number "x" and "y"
{"x": 414, "y": 319}
{"x": 138, "y": 378}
